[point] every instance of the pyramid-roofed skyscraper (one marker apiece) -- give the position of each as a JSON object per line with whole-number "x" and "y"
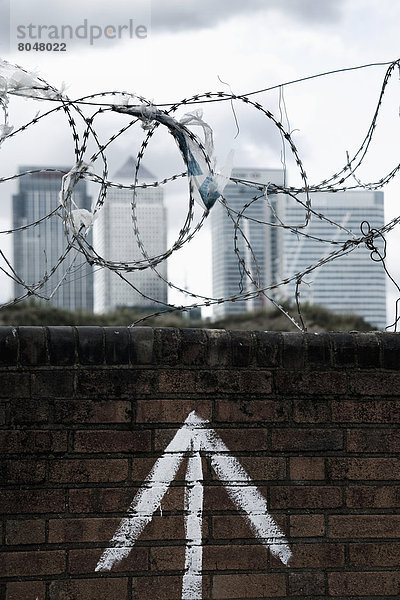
{"x": 115, "y": 240}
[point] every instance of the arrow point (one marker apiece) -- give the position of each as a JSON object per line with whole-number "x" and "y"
{"x": 194, "y": 419}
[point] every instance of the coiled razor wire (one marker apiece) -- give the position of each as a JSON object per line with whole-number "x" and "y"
{"x": 205, "y": 185}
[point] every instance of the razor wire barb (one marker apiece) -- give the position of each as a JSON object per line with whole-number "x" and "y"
{"x": 205, "y": 185}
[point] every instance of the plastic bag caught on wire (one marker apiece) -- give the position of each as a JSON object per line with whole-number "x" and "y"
{"x": 199, "y": 158}
{"x": 17, "y": 81}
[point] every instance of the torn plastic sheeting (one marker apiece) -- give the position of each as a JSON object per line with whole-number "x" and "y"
{"x": 208, "y": 186}
{"x": 15, "y": 80}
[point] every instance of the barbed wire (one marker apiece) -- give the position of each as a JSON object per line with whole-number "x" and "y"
{"x": 206, "y": 185}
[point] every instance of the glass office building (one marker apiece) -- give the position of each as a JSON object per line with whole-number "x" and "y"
{"x": 38, "y": 249}
{"x": 115, "y": 240}
{"x": 353, "y": 283}
{"x": 263, "y": 253}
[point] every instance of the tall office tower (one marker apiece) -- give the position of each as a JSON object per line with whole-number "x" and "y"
{"x": 115, "y": 241}
{"x": 38, "y": 249}
{"x": 264, "y": 259}
{"x": 353, "y": 283}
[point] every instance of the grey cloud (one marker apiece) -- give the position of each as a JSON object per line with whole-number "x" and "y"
{"x": 191, "y": 14}
{"x": 4, "y": 25}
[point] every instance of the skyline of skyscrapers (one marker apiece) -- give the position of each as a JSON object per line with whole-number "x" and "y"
{"x": 264, "y": 257}
{"x": 350, "y": 284}
{"x": 115, "y": 240}
{"x": 38, "y": 249}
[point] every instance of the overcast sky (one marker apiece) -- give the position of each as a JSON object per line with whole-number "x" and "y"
{"x": 249, "y": 45}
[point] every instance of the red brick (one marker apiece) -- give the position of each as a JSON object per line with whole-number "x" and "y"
{"x": 215, "y": 381}
{"x": 82, "y": 530}
{"x": 171, "y": 411}
{"x": 85, "y": 561}
{"x": 307, "y": 525}
{"x": 2, "y": 414}
{"x": 384, "y": 554}
{"x": 164, "y": 527}
{"x": 116, "y": 383}
{"x": 162, "y": 587}
{"x": 307, "y": 584}
{"x": 177, "y": 382}
{"x": 25, "y": 532}
{"x": 235, "y": 439}
{"x": 242, "y": 345}
{"x": 307, "y": 468}
{"x": 364, "y": 584}
{"x": 384, "y": 411}
{"x": 112, "y": 441}
{"x": 238, "y": 527}
{"x": 231, "y": 527}
{"x": 173, "y": 499}
{"x": 90, "y": 589}
{"x": 306, "y": 497}
{"x": 24, "y": 564}
{"x": 120, "y": 500}
{"x": 80, "y": 501}
{"x": 215, "y": 558}
{"x": 311, "y": 410}
{"x": 114, "y": 499}
{"x": 248, "y": 410}
{"x": 52, "y": 384}
{"x": 317, "y": 555}
{"x": 216, "y": 498}
{"x": 259, "y": 382}
{"x": 237, "y": 381}
{"x": 379, "y": 496}
{"x": 262, "y": 468}
{"x": 27, "y": 590}
{"x": 375, "y": 383}
{"x": 166, "y": 344}
{"x": 364, "y": 526}
{"x": 14, "y": 385}
{"x": 141, "y": 467}
{"x": 167, "y": 558}
{"x": 167, "y": 527}
{"x": 23, "y": 442}
{"x": 268, "y": 585}
{"x": 364, "y": 468}
{"x": 92, "y": 411}
{"x": 193, "y": 347}
{"x": 88, "y": 470}
{"x": 312, "y": 383}
{"x": 294, "y": 440}
{"x": 373, "y": 440}
{"x": 24, "y": 471}
{"x": 32, "y": 501}
{"x": 238, "y": 558}
{"x": 29, "y": 412}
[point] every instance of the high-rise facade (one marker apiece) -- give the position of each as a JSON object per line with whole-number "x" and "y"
{"x": 353, "y": 283}
{"x": 115, "y": 241}
{"x": 38, "y": 249}
{"x": 262, "y": 254}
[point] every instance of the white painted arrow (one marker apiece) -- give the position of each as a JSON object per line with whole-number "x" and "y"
{"x": 193, "y": 437}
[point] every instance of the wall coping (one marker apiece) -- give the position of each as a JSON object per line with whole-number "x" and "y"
{"x": 183, "y": 348}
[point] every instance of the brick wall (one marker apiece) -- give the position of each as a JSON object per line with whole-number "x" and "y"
{"x": 313, "y": 419}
